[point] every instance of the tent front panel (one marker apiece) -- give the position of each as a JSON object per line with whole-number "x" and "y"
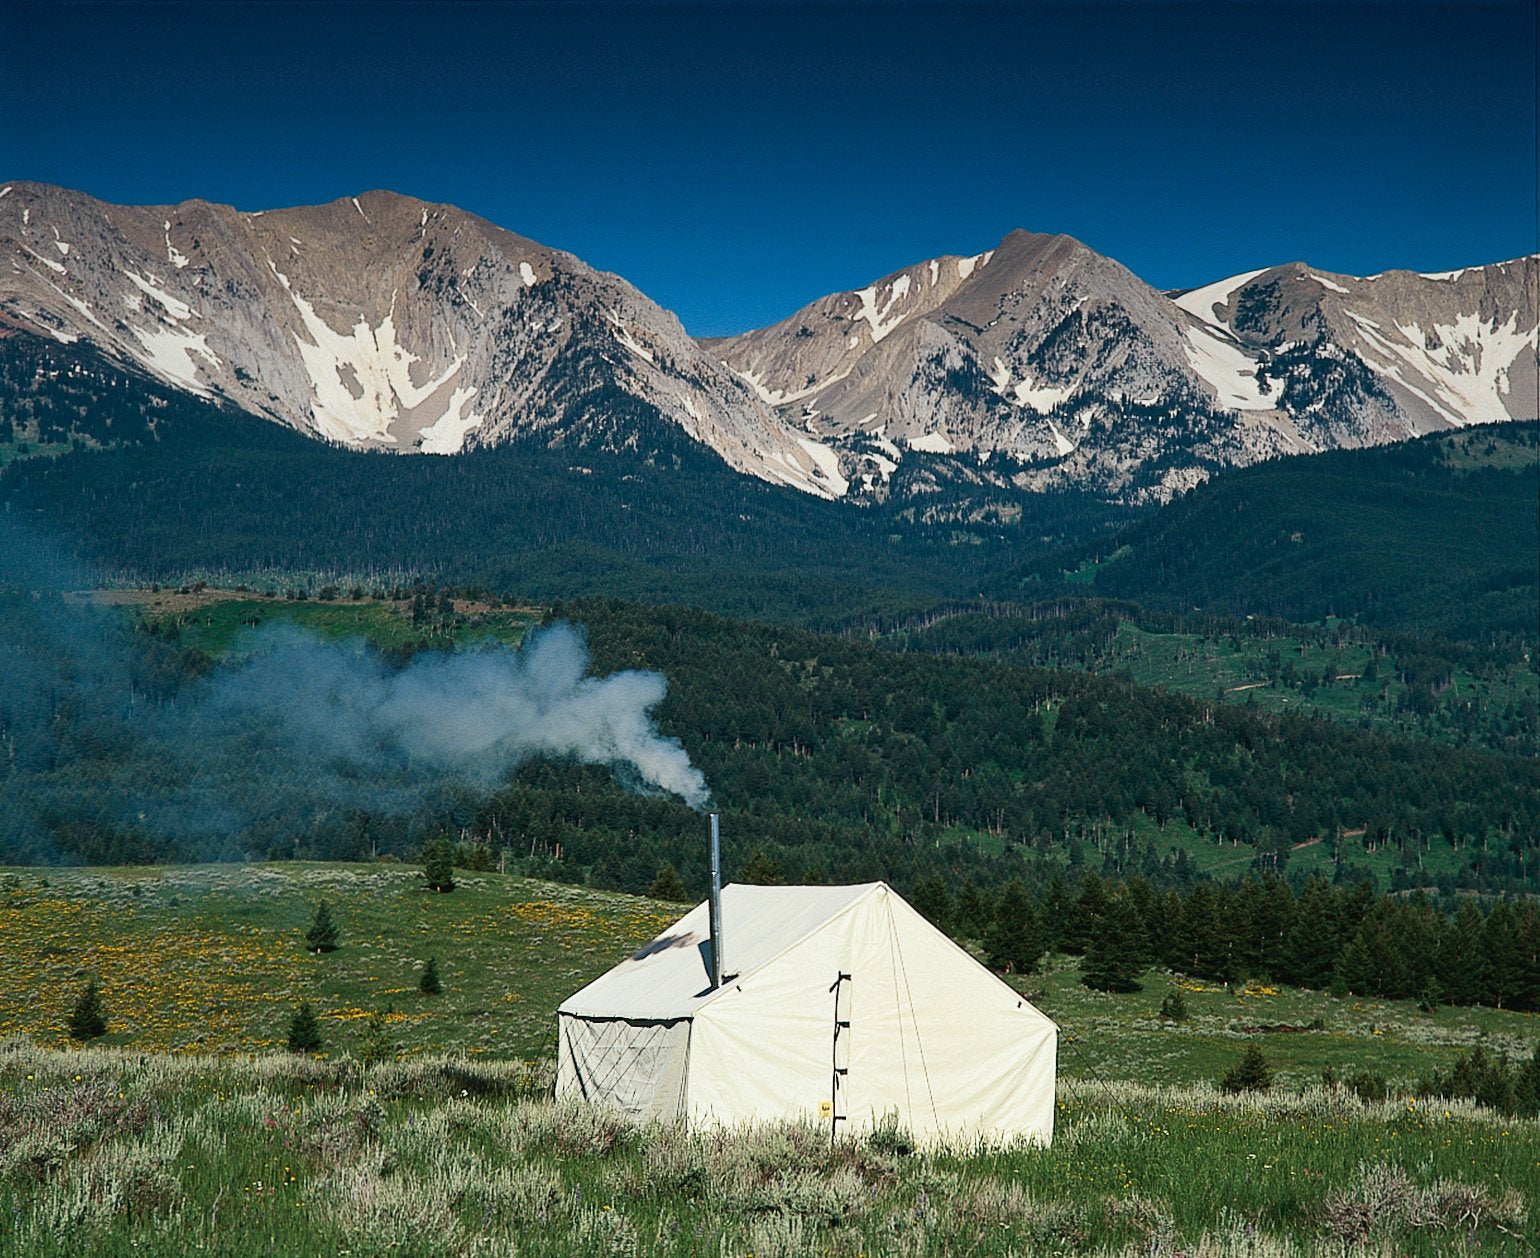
{"x": 940, "y": 1043}
{"x": 764, "y": 1047}
{"x": 636, "y": 1066}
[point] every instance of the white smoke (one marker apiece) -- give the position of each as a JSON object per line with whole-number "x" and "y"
{"x": 290, "y": 741}
{"x": 474, "y": 714}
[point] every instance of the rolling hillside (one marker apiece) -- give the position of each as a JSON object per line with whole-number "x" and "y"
{"x": 1439, "y": 535}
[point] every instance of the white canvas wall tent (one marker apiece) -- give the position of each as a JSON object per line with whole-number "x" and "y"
{"x": 839, "y": 1005}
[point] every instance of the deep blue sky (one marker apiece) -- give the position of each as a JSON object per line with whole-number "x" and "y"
{"x": 737, "y": 161}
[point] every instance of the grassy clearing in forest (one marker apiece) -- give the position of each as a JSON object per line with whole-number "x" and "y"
{"x": 1346, "y": 683}
{"x": 217, "y": 621}
{"x": 103, "y": 1151}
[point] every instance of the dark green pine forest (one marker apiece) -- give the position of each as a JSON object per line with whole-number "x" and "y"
{"x": 1283, "y": 727}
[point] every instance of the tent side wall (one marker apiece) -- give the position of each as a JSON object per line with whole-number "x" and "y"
{"x": 634, "y": 1065}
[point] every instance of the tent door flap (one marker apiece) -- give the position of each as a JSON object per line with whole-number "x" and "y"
{"x": 838, "y": 1085}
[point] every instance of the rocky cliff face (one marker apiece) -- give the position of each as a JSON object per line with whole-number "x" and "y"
{"x": 381, "y": 321}
{"x": 1063, "y": 368}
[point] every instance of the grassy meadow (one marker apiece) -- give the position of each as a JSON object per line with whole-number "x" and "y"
{"x": 187, "y": 1129}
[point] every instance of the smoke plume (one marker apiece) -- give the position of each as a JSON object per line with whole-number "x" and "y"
{"x": 102, "y": 732}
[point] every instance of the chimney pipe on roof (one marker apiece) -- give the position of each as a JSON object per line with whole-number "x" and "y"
{"x": 716, "y": 903}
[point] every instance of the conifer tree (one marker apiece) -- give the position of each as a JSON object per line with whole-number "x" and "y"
{"x": 1088, "y": 910}
{"x": 429, "y": 984}
{"x": 1116, "y": 955}
{"x": 1014, "y": 940}
{"x": 761, "y": 869}
{"x": 438, "y": 865}
{"x": 974, "y": 911}
{"x": 668, "y": 885}
{"x": 89, "y": 1018}
{"x": 1055, "y": 912}
{"x": 376, "y": 1046}
{"x": 1463, "y": 965}
{"x": 304, "y": 1030}
{"x": 932, "y": 900}
{"x": 322, "y": 935}
{"x": 1174, "y": 1006}
{"x": 1176, "y": 949}
{"x": 1250, "y": 1074}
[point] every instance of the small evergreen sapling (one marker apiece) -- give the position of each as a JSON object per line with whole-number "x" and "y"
{"x": 1174, "y": 1007}
{"x": 429, "y": 984}
{"x": 89, "y": 1018}
{"x": 322, "y": 935}
{"x": 1250, "y": 1074}
{"x": 376, "y": 1046}
{"x": 304, "y": 1030}
{"x": 438, "y": 865}
{"x": 668, "y": 885}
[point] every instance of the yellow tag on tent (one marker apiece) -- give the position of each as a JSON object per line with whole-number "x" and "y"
{"x": 825, "y": 1109}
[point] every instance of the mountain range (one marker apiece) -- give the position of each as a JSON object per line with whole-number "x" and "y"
{"x": 384, "y": 322}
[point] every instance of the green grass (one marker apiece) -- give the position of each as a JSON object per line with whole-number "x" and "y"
{"x": 212, "y": 958}
{"x": 107, "y": 1152}
{"x": 10, "y": 451}
{"x": 1114, "y": 1037}
{"x": 171, "y": 1137}
{"x": 219, "y": 627}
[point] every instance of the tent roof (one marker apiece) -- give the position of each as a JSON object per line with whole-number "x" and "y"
{"x": 671, "y": 976}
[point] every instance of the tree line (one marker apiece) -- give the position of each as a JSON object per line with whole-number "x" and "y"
{"x": 1345, "y": 939}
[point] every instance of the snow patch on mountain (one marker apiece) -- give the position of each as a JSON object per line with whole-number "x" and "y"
{"x": 931, "y": 443}
{"x": 966, "y": 266}
{"x": 623, "y": 335}
{"x": 1041, "y": 398}
{"x": 1202, "y": 301}
{"x": 175, "y": 308}
{"x": 828, "y": 465}
{"x": 361, "y": 379}
{"x": 878, "y": 319}
{"x": 1233, "y": 374}
{"x": 447, "y": 435}
{"x": 173, "y": 255}
{"x": 1061, "y": 443}
{"x": 57, "y": 267}
{"x": 1469, "y": 369}
{"x": 173, "y": 353}
{"x": 780, "y": 397}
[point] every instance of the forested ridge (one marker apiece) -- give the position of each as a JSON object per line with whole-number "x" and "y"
{"x": 1460, "y": 692}
{"x": 1439, "y": 535}
{"x": 840, "y": 759}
